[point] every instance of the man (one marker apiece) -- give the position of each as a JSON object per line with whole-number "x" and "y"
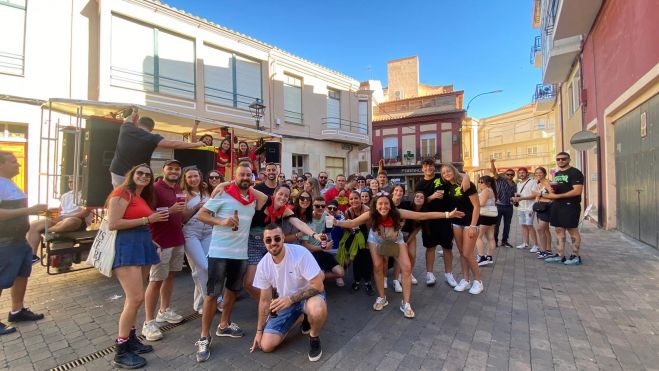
{"x": 383, "y": 178}
{"x": 230, "y": 213}
{"x": 308, "y": 175}
{"x": 15, "y": 252}
{"x": 322, "y": 180}
{"x": 136, "y": 145}
{"x": 566, "y": 209}
{"x": 527, "y": 188}
{"x": 361, "y": 183}
{"x": 327, "y": 261}
{"x": 268, "y": 186}
{"x": 72, "y": 218}
{"x": 169, "y": 237}
{"x": 506, "y": 189}
{"x": 294, "y": 274}
{"x": 339, "y": 193}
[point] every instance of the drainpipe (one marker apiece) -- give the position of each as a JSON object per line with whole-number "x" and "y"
{"x": 560, "y": 98}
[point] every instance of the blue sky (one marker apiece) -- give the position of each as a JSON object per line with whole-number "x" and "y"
{"x": 476, "y": 45}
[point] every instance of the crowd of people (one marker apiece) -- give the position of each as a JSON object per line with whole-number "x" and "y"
{"x": 283, "y": 239}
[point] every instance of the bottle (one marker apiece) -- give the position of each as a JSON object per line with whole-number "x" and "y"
{"x": 323, "y": 241}
{"x": 235, "y": 215}
{"x": 275, "y": 295}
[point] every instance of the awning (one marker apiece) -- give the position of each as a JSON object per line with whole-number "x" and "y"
{"x": 166, "y": 120}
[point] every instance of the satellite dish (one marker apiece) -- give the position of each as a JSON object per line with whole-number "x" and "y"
{"x": 584, "y": 140}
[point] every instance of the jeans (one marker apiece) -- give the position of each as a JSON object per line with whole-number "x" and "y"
{"x": 505, "y": 212}
{"x": 197, "y": 241}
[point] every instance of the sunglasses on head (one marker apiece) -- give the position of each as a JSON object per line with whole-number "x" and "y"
{"x": 305, "y": 198}
{"x": 213, "y": 177}
{"x": 562, "y": 158}
{"x": 269, "y": 240}
{"x": 142, "y": 173}
{"x": 386, "y": 194}
{"x": 319, "y": 206}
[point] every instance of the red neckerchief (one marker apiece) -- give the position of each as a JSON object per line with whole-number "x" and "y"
{"x": 387, "y": 222}
{"x": 234, "y": 192}
{"x": 274, "y": 215}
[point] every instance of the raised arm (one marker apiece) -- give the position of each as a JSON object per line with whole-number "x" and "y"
{"x": 178, "y": 144}
{"x": 407, "y": 214}
{"x": 261, "y": 198}
{"x": 302, "y": 227}
{"x": 493, "y": 169}
{"x": 23, "y": 211}
{"x": 352, "y": 223}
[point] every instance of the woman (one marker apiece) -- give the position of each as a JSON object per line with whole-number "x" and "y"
{"x": 374, "y": 186}
{"x": 385, "y": 224}
{"x": 214, "y": 178}
{"x": 129, "y": 214}
{"x": 465, "y": 229}
{"x": 543, "y": 211}
{"x": 244, "y": 154}
{"x": 224, "y": 157}
{"x": 353, "y": 248}
{"x": 312, "y": 186}
{"x": 397, "y": 194}
{"x": 197, "y": 234}
{"x": 487, "y": 199}
{"x": 365, "y": 195}
{"x": 410, "y": 230}
{"x": 281, "y": 179}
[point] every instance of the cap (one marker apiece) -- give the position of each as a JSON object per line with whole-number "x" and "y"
{"x": 172, "y": 161}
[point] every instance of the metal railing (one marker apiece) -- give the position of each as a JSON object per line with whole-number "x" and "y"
{"x": 228, "y": 98}
{"x": 344, "y": 125}
{"x": 151, "y": 82}
{"x": 537, "y": 47}
{"x": 544, "y": 92}
{"x": 293, "y": 117}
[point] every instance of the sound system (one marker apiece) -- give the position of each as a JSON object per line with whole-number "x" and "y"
{"x": 272, "y": 152}
{"x": 100, "y": 142}
{"x": 203, "y": 159}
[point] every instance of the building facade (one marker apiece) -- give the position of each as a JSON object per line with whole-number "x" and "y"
{"x": 145, "y": 52}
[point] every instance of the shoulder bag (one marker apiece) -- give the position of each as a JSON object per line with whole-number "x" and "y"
{"x": 387, "y": 247}
{"x": 101, "y": 254}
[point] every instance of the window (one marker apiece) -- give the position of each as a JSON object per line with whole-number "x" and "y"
{"x": 150, "y": 59}
{"x": 363, "y": 117}
{"x": 533, "y": 150}
{"x": 574, "y": 92}
{"x": 334, "y": 166}
{"x": 12, "y": 42}
{"x": 428, "y": 145}
{"x": 399, "y": 94}
{"x": 390, "y": 149}
{"x": 230, "y": 79}
{"x": 333, "y": 109}
{"x": 293, "y": 99}
{"x": 541, "y": 123}
{"x": 299, "y": 162}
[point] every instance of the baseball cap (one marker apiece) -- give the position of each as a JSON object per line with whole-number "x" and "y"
{"x": 171, "y": 161}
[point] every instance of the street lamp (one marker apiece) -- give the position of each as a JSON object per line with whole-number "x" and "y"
{"x": 256, "y": 109}
{"x": 478, "y": 95}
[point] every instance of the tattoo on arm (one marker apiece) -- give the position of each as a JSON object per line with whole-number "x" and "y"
{"x": 304, "y": 294}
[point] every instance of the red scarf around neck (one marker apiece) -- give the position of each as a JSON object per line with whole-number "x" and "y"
{"x": 387, "y": 222}
{"x": 234, "y": 192}
{"x": 274, "y": 215}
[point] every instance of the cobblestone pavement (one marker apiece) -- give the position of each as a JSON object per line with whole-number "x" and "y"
{"x": 532, "y": 315}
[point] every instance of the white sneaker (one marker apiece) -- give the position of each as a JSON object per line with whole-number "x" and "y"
{"x": 340, "y": 282}
{"x": 440, "y": 251}
{"x": 380, "y": 303}
{"x": 385, "y": 282}
{"x": 450, "y": 279}
{"x": 414, "y": 281}
{"x": 406, "y": 308}
{"x": 169, "y": 316}
{"x": 151, "y": 331}
{"x": 397, "y": 286}
{"x": 430, "y": 279}
{"x": 535, "y": 248}
{"x": 463, "y": 285}
{"x": 476, "y": 287}
{"x": 523, "y": 246}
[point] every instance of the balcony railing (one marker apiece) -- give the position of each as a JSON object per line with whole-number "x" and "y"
{"x": 344, "y": 125}
{"x": 293, "y": 117}
{"x": 536, "y": 48}
{"x": 544, "y": 92}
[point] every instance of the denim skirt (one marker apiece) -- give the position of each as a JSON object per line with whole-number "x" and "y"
{"x": 134, "y": 247}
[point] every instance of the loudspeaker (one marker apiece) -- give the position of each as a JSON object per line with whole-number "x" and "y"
{"x": 98, "y": 150}
{"x": 273, "y": 152}
{"x": 203, "y": 159}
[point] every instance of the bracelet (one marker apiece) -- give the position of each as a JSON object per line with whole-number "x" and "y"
{"x": 145, "y": 220}
{"x": 257, "y": 330}
{"x": 446, "y": 214}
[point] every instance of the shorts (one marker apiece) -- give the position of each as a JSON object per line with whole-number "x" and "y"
{"x": 437, "y": 232}
{"x": 171, "y": 260}
{"x": 325, "y": 260}
{"x": 15, "y": 261}
{"x": 565, "y": 214}
{"x": 286, "y": 318}
{"x": 545, "y": 216}
{"x": 487, "y": 220}
{"x": 134, "y": 247}
{"x": 225, "y": 273}
{"x": 525, "y": 217}
{"x": 374, "y": 238}
{"x": 255, "y": 249}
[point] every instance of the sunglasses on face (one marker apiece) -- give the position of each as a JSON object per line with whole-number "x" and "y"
{"x": 319, "y": 206}
{"x": 141, "y": 173}
{"x": 481, "y": 182}
{"x": 322, "y": 177}
{"x": 304, "y": 198}
{"x": 331, "y": 208}
{"x": 282, "y": 177}
{"x": 510, "y": 175}
{"x": 300, "y": 180}
{"x": 561, "y": 158}
{"x": 213, "y": 177}
{"x": 269, "y": 240}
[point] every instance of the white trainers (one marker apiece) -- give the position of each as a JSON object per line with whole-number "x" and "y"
{"x": 380, "y": 303}
{"x": 414, "y": 281}
{"x": 151, "y": 331}
{"x": 385, "y": 282}
{"x": 440, "y": 251}
{"x": 397, "y": 286}
{"x": 406, "y": 308}
{"x": 169, "y": 316}
{"x": 430, "y": 279}
{"x": 535, "y": 248}
{"x": 450, "y": 279}
{"x": 340, "y": 282}
{"x": 522, "y": 246}
{"x": 463, "y": 285}
{"x": 476, "y": 287}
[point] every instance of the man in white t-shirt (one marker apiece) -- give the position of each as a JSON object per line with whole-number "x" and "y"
{"x": 292, "y": 273}
{"x": 523, "y": 199}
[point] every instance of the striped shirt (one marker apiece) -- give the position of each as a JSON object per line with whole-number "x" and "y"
{"x": 225, "y": 243}
{"x": 505, "y": 191}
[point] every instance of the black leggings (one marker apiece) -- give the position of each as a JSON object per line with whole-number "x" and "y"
{"x": 362, "y": 267}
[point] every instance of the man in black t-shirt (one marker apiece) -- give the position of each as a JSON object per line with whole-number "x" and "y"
{"x": 270, "y": 183}
{"x": 136, "y": 145}
{"x": 566, "y": 192}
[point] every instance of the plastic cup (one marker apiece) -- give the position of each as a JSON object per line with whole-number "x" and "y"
{"x": 163, "y": 209}
{"x": 180, "y": 197}
{"x": 554, "y": 185}
{"x": 329, "y": 221}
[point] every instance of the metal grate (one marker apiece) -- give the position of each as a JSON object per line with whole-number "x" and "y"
{"x": 104, "y": 352}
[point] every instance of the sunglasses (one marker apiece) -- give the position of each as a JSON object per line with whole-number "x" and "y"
{"x": 269, "y": 240}
{"x": 511, "y": 175}
{"x": 386, "y": 194}
{"x": 481, "y": 182}
{"x": 282, "y": 176}
{"x": 322, "y": 177}
{"x": 319, "y": 206}
{"x": 141, "y": 173}
{"x": 300, "y": 180}
{"x": 213, "y": 177}
{"x": 562, "y": 158}
{"x": 331, "y": 208}
{"x": 304, "y": 198}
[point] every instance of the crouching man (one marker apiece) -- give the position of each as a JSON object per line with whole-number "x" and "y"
{"x": 292, "y": 273}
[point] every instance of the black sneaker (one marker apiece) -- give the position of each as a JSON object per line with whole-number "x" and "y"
{"x": 356, "y": 286}
{"x": 368, "y": 289}
{"x": 506, "y": 244}
{"x": 35, "y": 259}
{"x": 124, "y": 358}
{"x": 306, "y": 326}
{"x": 489, "y": 260}
{"x": 482, "y": 261}
{"x": 4, "y": 329}
{"x": 24, "y": 314}
{"x": 136, "y": 346}
{"x": 315, "y": 351}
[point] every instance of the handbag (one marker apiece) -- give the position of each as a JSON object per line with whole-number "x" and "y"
{"x": 388, "y": 247}
{"x": 489, "y": 210}
{"x": 101, "y": 254}
{"x": 541, "y": 207}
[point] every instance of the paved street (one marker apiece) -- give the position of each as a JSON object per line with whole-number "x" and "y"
{"x": 532, "y": 315}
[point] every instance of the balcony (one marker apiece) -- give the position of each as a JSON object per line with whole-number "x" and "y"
{"x": 536, "y": 52}
{"x": 544, "y": 97}
{"x": 558, "y": 57}
{"x": 334, "y": 128}
{"x": 573, "y": 17}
